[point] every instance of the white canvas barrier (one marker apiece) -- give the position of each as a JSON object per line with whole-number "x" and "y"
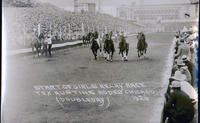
{"x": 28, "y": 50}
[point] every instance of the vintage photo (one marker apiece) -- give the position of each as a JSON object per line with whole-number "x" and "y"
{"x": 100, "y": 61}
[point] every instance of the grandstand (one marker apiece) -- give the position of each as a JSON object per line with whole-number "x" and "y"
{"x": 23, "y": 23}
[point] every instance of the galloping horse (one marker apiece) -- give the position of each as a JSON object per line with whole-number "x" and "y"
{"x": 141, "y": 45}
{"x": 84, "y": 38}
{"x": 123, "y": 48}
{"x": 87, "y": 38}
{"x": 109, "y": 48}
{"x": 94, "y": 47}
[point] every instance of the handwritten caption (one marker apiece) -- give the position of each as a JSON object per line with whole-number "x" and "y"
{"x": 97, "y": 93}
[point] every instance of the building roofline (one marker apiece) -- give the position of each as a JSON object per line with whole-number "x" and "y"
{"x": 146, "y": 5}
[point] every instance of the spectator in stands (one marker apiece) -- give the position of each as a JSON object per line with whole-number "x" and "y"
{"x": 184, "y": 70}
{"x": 183, "y": 49}
{"x": 177, "y": 65}
{"x": 178, "y": 76}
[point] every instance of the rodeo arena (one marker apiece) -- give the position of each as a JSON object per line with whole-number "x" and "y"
{"x": 152, "y": 44}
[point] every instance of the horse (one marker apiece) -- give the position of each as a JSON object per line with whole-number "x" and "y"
{"x": 123, "y": 48}
{"x": 94, "y": 48}
{"x": 109, "y": 48}
{"x": 38, "y": 46}
{"x": 84, "y": 38}
{"x": 141, "y": 45}
{"x": 87, "y": 38}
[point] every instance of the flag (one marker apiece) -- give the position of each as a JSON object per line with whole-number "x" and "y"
{"x": 69, "y": 28}
{"x": 39, "y": 29}
{"x": 106, "y": 30}
{"x": 60, "y": 33}
{"x": 83, "y": 28}
{"x": 50, "y": 29}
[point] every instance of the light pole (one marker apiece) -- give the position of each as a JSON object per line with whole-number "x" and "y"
{"x": 196, "y": 3}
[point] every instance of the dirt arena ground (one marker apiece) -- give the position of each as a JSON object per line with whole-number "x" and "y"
{"x": 76, "y": 66}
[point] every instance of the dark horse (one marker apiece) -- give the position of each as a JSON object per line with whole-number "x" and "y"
{"x": 94, "y": 48}
{"x": 123, "y": 48}
{"x": 87, "y": 38}
{"x": 141, "y": 45}
{"x": 109, "y": 48}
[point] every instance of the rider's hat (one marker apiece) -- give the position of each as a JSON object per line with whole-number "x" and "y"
{"x": 180, "y": 62}
{"x": 184, "y": 58}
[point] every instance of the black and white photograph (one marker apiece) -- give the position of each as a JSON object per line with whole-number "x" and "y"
{"x": 100, "y": 61}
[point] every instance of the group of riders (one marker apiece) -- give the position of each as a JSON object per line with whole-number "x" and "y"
{"x": 105, "y": 43}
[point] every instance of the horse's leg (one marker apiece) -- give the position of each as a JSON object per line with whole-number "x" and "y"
{"x": 83, "y": 41}
{"x": 42, "y": 50}
{"x": 33, "y": 51}
{"x": 38, "y": 52}
{"x": 105, "y": 54}
{"x": 112, "y": 55}
{"x": 95, "y": 54}
{"x": 126, "y": 59}
{"x": 145, "y": 53}
{"x": 46, "y": 49}
{"x": 108, "y": 56}
{"x": 87, "y": 44}
{"x": 141, "y": 52}
{"x": 138, "y": 53}
{"x": 127, "y": 52}
{"x": 122, "y": 55}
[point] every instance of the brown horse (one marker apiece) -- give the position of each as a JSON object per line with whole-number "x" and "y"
{"x": 141, "y": 45}
{"x": 123, "y": 48}
{"x": 109, "y": 48}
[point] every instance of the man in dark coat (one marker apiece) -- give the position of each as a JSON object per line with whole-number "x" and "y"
{"x": 94, "y": 48}
{"x": 179, "y": 107}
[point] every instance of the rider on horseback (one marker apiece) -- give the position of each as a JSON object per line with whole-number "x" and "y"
{"x": 94, "y": 47}
{"x": 142, "y": 44}
{"x": 109, "y": 47}
{"x": 123, "y": 48}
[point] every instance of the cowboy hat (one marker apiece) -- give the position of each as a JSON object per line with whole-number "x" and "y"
{"x": 184, "y": 58}
{"x": 180, "y": 62}
{"x": 175, "y": 84}
{"x": 178, "y": 76}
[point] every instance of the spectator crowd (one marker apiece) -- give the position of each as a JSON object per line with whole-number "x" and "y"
{"x": 26, "y": 22}
{"x": 181, "y": 97}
